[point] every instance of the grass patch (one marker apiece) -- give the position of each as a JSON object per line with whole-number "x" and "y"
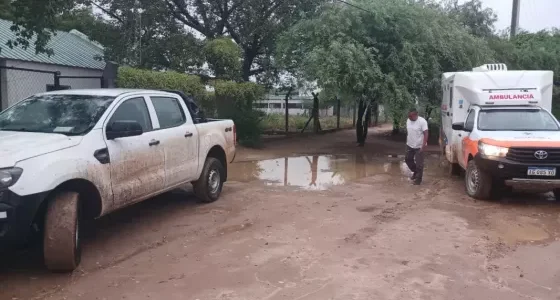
{"x": 276, "y": 122}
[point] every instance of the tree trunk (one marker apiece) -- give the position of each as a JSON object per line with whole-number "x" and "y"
{"x": 248, "y": 59}
{"x": 396, "y": 127}
{"x": 359, "y": 121}
{"x": 287, "y": 100}
{"x": 366, "y": 124}
{"x": 315, "y": 114}
{"x": 364, "y": 118}
{"x": 375, "y": 114}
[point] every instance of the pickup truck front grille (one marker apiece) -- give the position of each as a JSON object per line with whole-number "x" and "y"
{"x": 527, "y": 155}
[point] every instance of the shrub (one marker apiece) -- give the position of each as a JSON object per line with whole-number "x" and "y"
{"x": 235, "y": 101}
{"x": 144, "y": 79}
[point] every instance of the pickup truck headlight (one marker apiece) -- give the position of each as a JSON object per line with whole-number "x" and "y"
{"x": 491, "y": 150}
{"x": 9, "y": 177}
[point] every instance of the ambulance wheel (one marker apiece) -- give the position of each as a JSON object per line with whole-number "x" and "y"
{"x": 478, "y": 184}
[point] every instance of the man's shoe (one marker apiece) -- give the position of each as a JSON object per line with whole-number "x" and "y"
{"x": 413, "y": 177}
{"x": 417, "y": 182}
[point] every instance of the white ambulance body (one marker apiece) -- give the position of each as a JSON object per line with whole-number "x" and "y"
{"x": 498, "y": 127}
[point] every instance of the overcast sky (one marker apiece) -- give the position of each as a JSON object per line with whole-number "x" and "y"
{"x": 535, "y": 14}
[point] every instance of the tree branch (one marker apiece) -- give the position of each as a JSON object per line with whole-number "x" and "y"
{"x": 107, "y": 12}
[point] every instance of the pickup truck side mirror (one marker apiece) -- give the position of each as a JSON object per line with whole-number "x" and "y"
{"x": 458, "y": 126}
{"x": 120, "y": 129}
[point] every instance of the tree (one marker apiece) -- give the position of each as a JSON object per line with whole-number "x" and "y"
{"x": 6, "y": 10}
{"x": 224, "y": 57}
{"x": 253, "y": 24}
{"x": 142, "y": 33}
{"x": 478, "y": 20}
{"x": 390, "y": 53}
{"x": 35, "y": 18}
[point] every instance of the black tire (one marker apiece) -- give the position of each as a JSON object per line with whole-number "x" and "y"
{"x": 209, "y": 186}
{"x": 61, "y": 241}
{"x": 478, "y": 184}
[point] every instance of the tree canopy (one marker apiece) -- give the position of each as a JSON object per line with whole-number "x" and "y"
{"x": 381, "y": 52}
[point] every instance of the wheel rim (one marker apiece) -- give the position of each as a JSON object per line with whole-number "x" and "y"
{"x": 473, "y": 180}
{"x": 77, "y": 233}
{"x": 214, "y": 181}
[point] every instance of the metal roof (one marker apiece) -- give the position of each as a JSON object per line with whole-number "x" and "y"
{"x": 70, "y": 49}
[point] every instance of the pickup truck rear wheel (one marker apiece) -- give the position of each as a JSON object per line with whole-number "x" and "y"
{"x": 61, "y": 242}
{"x": 477, "y": 183}
{"x": 209, "y": 186}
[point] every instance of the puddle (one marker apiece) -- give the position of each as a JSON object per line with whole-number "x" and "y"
{"x": 317, "y": 172}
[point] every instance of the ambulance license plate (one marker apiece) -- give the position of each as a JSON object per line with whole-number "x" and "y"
{"x": 532, "y": 171}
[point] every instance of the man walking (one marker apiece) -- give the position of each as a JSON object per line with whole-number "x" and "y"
{"x": 416, "y": 142}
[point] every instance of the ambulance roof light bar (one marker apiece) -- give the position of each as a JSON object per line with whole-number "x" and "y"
{"x": 490, "y": 68}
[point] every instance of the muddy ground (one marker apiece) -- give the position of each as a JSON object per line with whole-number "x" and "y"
{"x": 313, "y": 218}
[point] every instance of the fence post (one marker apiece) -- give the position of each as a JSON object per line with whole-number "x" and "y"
{"x": 287, "y": 113}
{"x": 337, "y": 112}
{"x": 287, "y": 99}
{"x": 57, "y": 81}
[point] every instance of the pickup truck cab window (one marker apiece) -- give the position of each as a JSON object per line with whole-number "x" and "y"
{"x": 134, "y": 109}
{"x": 62, "y": 114}
{"x": 169, "y": 112}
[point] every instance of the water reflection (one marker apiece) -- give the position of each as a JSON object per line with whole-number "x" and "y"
{"x": 315, "y": 172}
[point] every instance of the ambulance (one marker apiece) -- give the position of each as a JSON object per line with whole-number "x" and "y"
{"x": 498, "y": 128}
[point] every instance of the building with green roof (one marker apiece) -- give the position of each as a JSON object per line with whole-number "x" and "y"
{"x": 24, "y": 73}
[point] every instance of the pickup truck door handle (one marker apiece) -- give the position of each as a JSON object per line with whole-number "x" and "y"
{"x": 188, "y": 134}
{"x": 229, "y": 129}
{"x": 154, "y": 143}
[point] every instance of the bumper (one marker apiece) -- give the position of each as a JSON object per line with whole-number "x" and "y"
{"x": 515, "y": 173}
{"x": 16, "y": 216}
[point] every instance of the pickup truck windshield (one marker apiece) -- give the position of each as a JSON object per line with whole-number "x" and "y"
{"x": 63, "y": 114}
{"x": 516, "y": 120}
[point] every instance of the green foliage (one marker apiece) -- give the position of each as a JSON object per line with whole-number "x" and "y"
{"x": 224, "y": 57}
{"x": 35, "y": 18}
{"x": 393, "y": 54}
{"x": 235, "y": 101}
{"x": 144, "y": 79}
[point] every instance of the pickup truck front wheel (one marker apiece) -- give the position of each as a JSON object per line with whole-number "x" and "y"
{"x": 209, "y": 186}
{"x": 61, "y": 243}
{"x": 477, "y": 183}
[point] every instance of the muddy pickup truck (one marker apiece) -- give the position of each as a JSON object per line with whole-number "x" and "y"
{"x": 73, "y": 155}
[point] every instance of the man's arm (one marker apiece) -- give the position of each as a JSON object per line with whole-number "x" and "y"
{"x": 425, "y": 129}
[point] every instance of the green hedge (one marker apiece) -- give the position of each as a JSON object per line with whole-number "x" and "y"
{"x": 144, "y": 79}
{"x": 230, "y": 100}
{"x": 235, "y": 101}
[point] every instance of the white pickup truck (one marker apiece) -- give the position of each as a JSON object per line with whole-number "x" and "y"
{"x": 71, "y": 155}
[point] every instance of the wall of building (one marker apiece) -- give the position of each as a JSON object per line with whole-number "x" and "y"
{"x": 18, "y": 85}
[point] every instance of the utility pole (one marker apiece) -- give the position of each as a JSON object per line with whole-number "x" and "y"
{"x": 515, "y": 18}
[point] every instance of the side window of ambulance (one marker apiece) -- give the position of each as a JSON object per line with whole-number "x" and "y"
{"x": 469, "y": 124}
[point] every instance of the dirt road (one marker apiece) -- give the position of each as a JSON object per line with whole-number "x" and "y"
{"x": 313, "y": 218}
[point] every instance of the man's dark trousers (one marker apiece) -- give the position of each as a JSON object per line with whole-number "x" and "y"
{"x": 415, "y": 162}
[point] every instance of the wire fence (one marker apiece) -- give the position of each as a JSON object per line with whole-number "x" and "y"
{"x": 297, "y": 117}
{"x": 18, "y": 83}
